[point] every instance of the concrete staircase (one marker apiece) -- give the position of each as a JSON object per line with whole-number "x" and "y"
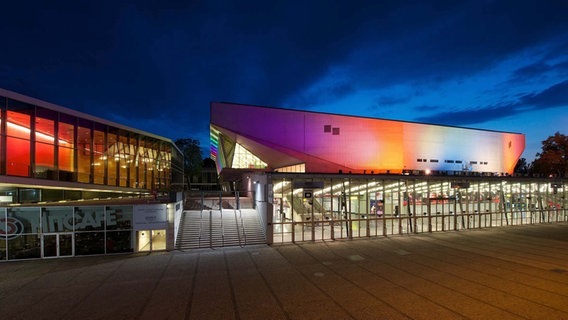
{"x": 252, "y": 230}
{"x": 219, "y": 228}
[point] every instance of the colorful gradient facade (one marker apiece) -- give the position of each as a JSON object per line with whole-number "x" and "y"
{"x": 327, "y": 143}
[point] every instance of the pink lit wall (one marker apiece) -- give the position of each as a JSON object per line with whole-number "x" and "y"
{"x": 328, "y": 142}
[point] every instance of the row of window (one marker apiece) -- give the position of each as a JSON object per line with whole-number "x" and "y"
{"x": 450, "y": 161}
{"x": 43, "y": 143}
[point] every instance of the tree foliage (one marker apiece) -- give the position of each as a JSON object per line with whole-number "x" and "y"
{"x": 553, "y": 160}
{"x": 522, "y": 166}
{"x": 192, "y": 159}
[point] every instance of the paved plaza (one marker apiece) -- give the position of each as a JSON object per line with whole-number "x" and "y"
{"x": 517, "y": 272}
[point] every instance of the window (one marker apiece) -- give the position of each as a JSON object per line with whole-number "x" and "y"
{"x": 45, "y": 143}
{"x": 99, "y": 157}
{"x": 66, "y": 145}
{"x": 125, "y": 158}
{"x": 18, "y": 155}
{"x": 24, "y": 242}
{"x": 84, "y": 149}
{"x": 112, "y": 155}
{"x": 245, "y": 159}
{"x": 132, "y": 160}
{"x": 294, "y": 168}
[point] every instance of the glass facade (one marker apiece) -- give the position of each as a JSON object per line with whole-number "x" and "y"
{"x": 320, "y": 207}
{"x": 43, "y": 143}
{"x": 244, "y": 159}
{"x": 42, "y": 232}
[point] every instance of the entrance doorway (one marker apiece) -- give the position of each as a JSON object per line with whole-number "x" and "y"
{"x": 151, "y": 240}
{"x": 57, "y": 245}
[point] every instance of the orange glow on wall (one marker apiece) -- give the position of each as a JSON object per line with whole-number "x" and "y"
{"x": 18, "y": 155}
{"x": 330, "y": 142}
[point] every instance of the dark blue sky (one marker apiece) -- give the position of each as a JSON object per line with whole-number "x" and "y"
{"x": 156, "y": 65}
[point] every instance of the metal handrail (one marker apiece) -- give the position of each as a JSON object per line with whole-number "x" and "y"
{"x": 237, "y": 225}
{"x": 200, "y": 229}
{"x": 243, "y": 225}
{"x": 210, "y": 228}
{"x": 222, "y": 225}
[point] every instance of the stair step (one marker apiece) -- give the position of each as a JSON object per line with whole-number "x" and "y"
{"x": 216, "y": 229}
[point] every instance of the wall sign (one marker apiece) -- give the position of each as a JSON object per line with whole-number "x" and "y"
{"x": 150, "y": 217}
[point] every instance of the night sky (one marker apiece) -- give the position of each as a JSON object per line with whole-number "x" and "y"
{"x": 156, "y": 65}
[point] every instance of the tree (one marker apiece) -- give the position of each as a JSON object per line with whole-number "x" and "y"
{"x": 522, "y": 166}
{"x": 553, "y": 160}
{"x": 192, "y": 159}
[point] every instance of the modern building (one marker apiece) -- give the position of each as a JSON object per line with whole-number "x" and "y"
{"x": 74, "y": 184}
{"x": 286, "y": 140}
{"x": 318, "y": 176}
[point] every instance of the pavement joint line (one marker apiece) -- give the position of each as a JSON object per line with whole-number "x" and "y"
{"x": 94, "y": 289}
{"x": 494, "y": 254}
{"x": 405, "y": 288}
{"x": 192, "y": 288}
{"x": 231, "y": 287}
{"x": 476, "y": 283}
{"x": 268, "y": 286}
{"x": 539, "y": 275}
{"x": 312, "y": 282}
{"x": 467, "y": 266}
{"x": 148, "y": 299}
{"x": 358, "y": 286}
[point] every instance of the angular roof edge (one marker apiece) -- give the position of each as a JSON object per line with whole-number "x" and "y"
{"x": 365, "y": 117}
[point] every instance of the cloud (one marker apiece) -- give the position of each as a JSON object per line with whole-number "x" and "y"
{"x": 531, "y": 71}
{"x": 555, "y": 96}
{"x": 386, "y": 100}
{"x": 426, "y": 44}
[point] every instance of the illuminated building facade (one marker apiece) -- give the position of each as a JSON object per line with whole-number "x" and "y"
{"x": 283, "y": 140}
{"x": 316, "y": 176}
{"x": 73, "y": 184}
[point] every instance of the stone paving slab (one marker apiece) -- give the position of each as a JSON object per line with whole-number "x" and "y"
{"x": 517, "y": 272}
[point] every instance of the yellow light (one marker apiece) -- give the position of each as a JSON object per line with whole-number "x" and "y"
{"x": 39, "y": 134}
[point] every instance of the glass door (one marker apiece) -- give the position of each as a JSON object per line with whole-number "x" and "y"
{"x": 65, "y": 241}
{"x": 57, "y": 245}
{"x": 151, "y": 240}
{"x": 49, "y": 243}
